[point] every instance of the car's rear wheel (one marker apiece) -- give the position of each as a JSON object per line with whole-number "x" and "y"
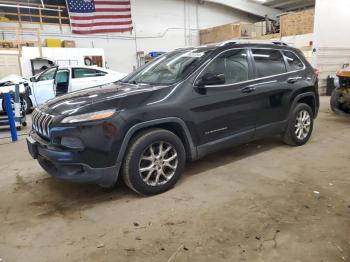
{"x": 154, "y": 162}
{"x": 300, "y": 126}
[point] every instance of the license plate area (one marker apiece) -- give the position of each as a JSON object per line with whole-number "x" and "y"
{"x": 32, "y": 147}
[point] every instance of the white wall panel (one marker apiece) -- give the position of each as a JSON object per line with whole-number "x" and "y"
{"x": 9, "y": 64}
{"x": 331, "y": 37}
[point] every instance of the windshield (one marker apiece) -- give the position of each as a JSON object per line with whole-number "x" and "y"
{"x": 169, "y": 68}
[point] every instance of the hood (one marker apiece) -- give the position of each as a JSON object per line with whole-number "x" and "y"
{"x": 94, "y": 99}
{"x": 12, "y": 79}
{"x": 345, "y": 72}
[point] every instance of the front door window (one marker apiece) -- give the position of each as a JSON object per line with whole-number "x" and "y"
{"x": 232, "y": 64}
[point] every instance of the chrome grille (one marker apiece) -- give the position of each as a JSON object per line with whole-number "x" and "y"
{"x": 41, "y": 122}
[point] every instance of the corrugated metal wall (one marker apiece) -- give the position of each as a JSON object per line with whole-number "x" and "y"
{"x": 330, "y": 60}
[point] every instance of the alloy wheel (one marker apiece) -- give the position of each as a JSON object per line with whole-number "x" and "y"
{"x": 158, "y": 163}
{"x": 302, "y": 124}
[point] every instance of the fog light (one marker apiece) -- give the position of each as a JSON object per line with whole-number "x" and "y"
{"x": 72, "y": 142}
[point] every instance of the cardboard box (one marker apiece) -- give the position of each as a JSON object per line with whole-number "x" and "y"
{"x": 27, "y": 44}
{"x": 298, "y": 23}
{"x": 247, "y": 30}
{"x": 219, "y": 33}
{"x": 7, "y": 45}
{"x": 53, "y": 42}
{"x": 227, "y": 32}
{"x": 260, "y": 28}
{"x": 68, "y": 43}
{"x": 276, "y": 37}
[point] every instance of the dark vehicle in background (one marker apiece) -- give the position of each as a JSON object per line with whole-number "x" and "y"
{"x": 180, "y": 107}
{"x": 340, "y": 99}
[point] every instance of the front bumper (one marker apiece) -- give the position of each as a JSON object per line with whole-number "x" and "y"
{"x": 63, "y": 165}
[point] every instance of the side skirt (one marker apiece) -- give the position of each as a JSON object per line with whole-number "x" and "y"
{"x": 232, "y": 140}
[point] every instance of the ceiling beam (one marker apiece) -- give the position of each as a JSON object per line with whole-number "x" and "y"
{"x": 291, "y": 4}
{"x": 249, "y": 7}
{"x": 280, "y": 4}
{"x": 300, "y": 6}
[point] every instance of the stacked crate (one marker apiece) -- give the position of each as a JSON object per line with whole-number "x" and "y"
{"x": 298, "y": 23}
{"x": 227, "y": 32}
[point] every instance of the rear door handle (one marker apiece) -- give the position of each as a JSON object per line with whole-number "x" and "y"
{"x": 248, "y": 89}
{"x": 293, "y": 80}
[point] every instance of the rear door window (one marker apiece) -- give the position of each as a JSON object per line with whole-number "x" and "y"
{"x": 86, "y": 72}
{"x": 293, "y": 61}
{"x": 100, "y": 73}
{"x": 268, "y": 62}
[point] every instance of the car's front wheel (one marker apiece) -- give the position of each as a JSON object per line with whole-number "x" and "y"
{"x": 25, "y": 101}
{"x": 300, "y": 126}
{"x": 154, "y": 162}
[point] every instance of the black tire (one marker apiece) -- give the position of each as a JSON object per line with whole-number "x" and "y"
{"x": 290, "y": 137}
{"x": 3, "y": 106}
{"x": 137, "y": 148}
{"x": 28, "y": 102}
{"x": 334, "y": 101}
{"x": 336, "y": 107}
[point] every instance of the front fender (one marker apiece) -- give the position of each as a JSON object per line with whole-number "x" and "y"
{"x": 152, "y": 123}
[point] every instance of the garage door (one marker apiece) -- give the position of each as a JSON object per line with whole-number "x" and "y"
{"x": 9, "y": 65}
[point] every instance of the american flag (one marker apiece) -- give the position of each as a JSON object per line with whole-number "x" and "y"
{"x": 97, "y": 16}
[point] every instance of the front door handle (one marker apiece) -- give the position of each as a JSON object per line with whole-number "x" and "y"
{"x": 293, "y": 80}
{"x": 248, "y": 89}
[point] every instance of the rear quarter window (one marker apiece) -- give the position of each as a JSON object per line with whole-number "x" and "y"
{"x": 293, "y": 61}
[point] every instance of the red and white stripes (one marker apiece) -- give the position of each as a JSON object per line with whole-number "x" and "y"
{"x": 110, "y": 16}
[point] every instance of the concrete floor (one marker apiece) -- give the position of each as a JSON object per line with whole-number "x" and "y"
{"x": 252, "y": 203}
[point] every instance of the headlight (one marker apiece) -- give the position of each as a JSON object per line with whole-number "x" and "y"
{"x": 88, "y": 117}
{"x": 336, "y": 82}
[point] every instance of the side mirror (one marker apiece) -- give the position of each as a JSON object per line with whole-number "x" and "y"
{"x": 210, "y": 79}
{"x": 32, "y": 79}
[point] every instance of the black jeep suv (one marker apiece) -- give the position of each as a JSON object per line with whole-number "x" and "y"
{"x": 178, "y": 108}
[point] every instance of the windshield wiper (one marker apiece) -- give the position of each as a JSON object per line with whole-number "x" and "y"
{"x": 138, "y": 83}
{"x": 141, "y": 83}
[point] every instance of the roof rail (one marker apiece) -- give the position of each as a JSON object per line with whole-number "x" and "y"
{"x": 233, "y": 42}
